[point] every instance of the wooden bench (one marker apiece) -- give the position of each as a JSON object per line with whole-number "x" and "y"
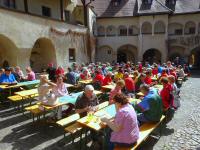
{"x": 15, "y": 98}
{"x": 35, "y": 111}
{"x": 145, "y": 131}
{"x": 66, "y": 121}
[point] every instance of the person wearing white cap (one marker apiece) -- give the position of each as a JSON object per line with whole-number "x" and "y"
{"x": 87, "y": 101}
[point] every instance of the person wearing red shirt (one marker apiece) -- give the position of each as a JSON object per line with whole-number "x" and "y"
{"x": 155, "y": 70}
{"x": 60, "y": 71}
{"x": 85, "y": 75}
{"x": 166, "y": 94}
{"x": 98, "y": 78}
{"x": 163, "y": 74}
{"x": 129, "y": 83}
{"x": 148, "y": 79}
{"x": 173, "y": 73}
{"x": 107, "y": 80}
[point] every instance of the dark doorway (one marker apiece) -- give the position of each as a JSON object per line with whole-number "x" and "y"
{"x": 152, "y": 55}
{"x": 195, "y": 58}
{"x": 121, "y": 57}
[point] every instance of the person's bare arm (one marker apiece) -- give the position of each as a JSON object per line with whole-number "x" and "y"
{"x": 79, "y": 111}
{"x": 112, "y": 125}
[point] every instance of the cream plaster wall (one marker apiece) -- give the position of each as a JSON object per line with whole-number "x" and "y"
{"x": 24, "y": 30}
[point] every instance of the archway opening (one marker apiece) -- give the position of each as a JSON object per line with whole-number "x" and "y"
{"x": 126, "y": 53}
{"x": 42, "y": 54}
{"x": 152, "y": 55}
{"x": 194, "y": 59}
{"x": 8, "y": 52}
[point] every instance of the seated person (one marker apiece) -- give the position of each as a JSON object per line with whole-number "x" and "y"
{"x": 30, "y": 74}
{"x": 125, "y": 127}
{"x": 180, "y": 72}
{"x": 175, "y": 91}
{"x": 129, "y": 83}
{"x": 155, "y": 70}
{"x": 119, "y": 75}
{"x": 85, "y": 75}
{"x": 7, "y": 78}
{"x": 148, "y": 79}
{"x": 150, "y": 109}
{"x": 166, "y": 94}
{"x": 17, "y": 77}
{"x": 117, "y": 90}
{"x": 51, "y": 70}
{"x": 87, "y": 101}
{"x": 139, "y": 82}
{"x": 20, "y": 73}
{"x": 135, "y": 76}
{"x": 49, "y": 92}
{"x": 173, "y": 73}
{"x": 98, "y": 79}
{"x": 71, "y": 76}
{"x": 108, "y": 79}
{"x": 163, "y": 74}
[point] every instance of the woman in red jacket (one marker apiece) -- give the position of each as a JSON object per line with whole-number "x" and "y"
{"x": 166, "y": 94}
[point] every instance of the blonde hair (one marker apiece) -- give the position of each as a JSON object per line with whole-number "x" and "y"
{"x": 120, "y": 83}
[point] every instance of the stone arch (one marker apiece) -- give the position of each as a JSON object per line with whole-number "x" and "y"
{"x": 122, "y": 30}
{"x": 126, "y": 53}
{"x": 146, "y": 28}
{"x": 159, "y": 27}
{"x": 111, "y": 30}
{"x": 133, "y": 31}
{"x": 199, "y": 28}
{"x": 101, "y": 31}
{"x": 175, "y": 29}
{"x": 176, "y": 51}
{"x": 190, "y": 28}
{"x": 8, "y": 52}
{"x": 194, "y": 58}
{"x": 152, "y": 55}
{"x": 43, "y": 53}
{"x": 104, "y": 54}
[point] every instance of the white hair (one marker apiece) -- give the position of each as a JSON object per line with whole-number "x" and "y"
{"x": 89, "y": 88}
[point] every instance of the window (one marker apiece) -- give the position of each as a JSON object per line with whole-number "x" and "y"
{"x": 101, "y": 31}
{"x": 109, "y": 52}
{"x": 122, "y": 31}
{"x": 72, "y": 55}
{"x": 9, "y": 3}
{"x": 147, "y": 2}
{"x": 67, "y": 15}
{"x": 170, "y": 2}
{"x": 133, "y": 31}
{"x": 178, "y": 32}
{"x": 116, "y": 2}
{"x": 46, "y": 11}
{"x": 191, "y": 30}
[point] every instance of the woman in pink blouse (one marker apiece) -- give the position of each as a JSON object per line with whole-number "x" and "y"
{"x": 125, "y": 130}
{"x": 30, "y": 74}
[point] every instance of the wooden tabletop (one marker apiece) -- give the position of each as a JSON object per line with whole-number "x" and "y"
{"x": 68, "y": 99}
{"x": 85, "y": 81}
{"x": 109, "y": 87}
{"x": 27, "y": 92}
{"x": 94, "y": 121}
{"x": 20, "y": 84}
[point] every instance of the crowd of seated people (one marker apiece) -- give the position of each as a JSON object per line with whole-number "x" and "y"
{"x": 127, "y": 80}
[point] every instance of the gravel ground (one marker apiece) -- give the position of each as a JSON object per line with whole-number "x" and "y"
{"x": 17, "y": 132}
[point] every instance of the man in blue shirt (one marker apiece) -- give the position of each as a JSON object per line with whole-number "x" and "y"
{"x": 7, "y": 77}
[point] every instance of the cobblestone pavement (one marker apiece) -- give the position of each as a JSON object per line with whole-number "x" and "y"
{"x": 17, "y": 132}
{"x": 185, "y": 126}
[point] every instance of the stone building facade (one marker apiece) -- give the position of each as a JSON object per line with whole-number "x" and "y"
{"x": 41, "y": 34}
{"x": 153, "y": 30}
